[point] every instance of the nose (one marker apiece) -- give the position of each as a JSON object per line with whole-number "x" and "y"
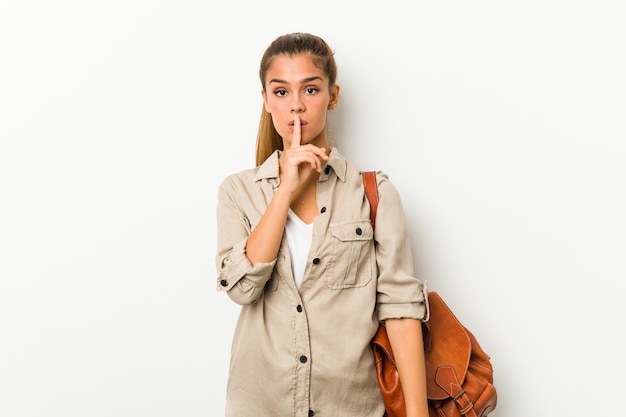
{"x": 296, "y": 106}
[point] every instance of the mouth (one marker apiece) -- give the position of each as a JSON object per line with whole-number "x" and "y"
{"x": 302, "y": 123}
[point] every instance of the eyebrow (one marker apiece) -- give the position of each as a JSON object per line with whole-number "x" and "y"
{"x": 304, "y": 81}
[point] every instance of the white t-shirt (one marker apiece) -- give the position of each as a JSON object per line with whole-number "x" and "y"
{"x": 299, "y": 236}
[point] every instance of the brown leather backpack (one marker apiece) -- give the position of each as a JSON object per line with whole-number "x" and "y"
{"x": 459, "y": 374}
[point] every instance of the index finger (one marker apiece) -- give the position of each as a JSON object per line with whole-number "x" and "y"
{"x": 297, "y": 132}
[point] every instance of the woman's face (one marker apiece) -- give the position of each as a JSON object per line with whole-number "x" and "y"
{"x": 294, "y": 85}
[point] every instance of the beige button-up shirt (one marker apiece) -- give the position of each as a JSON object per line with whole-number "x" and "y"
{"x": 307, "y": 353}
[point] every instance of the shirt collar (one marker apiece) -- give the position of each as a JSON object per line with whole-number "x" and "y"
{"x": 270, "y": 168}
{"x": 336, "y": 162}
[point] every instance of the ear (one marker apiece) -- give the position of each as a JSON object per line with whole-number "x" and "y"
{"x": 334, "y": 96}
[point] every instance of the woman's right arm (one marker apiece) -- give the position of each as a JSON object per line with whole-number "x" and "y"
{"x": 246, "y": 255}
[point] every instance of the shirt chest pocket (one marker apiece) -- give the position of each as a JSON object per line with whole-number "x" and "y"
{"x": 351, "y": 255}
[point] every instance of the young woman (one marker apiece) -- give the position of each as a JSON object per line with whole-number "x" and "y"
{"x": 296, "y": 250}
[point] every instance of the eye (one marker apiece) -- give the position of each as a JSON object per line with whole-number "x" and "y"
{"x": 311, "y": 90}
{"x": 280, "y": 92}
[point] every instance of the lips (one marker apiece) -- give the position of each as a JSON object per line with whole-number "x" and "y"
{"x": 302, "y": 123}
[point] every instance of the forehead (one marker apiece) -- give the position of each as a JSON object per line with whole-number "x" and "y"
{"x": 293, "y": 68}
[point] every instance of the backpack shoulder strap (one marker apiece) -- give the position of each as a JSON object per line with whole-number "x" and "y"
{"x": 371, "y": 191}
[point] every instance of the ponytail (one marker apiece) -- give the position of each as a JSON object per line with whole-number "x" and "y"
{"x": 268, "y": 140}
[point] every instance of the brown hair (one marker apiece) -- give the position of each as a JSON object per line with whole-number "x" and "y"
{"x": 268, "y": 139}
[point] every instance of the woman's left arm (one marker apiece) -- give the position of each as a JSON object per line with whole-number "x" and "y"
{"x": 400, "y": 294}
{"x": 407, "y": 345}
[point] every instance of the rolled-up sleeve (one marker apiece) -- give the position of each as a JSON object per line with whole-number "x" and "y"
{"x": 243, "y": 281}
{"x": 399, "y": 293}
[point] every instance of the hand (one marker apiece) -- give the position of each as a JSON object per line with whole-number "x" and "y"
{"x": 299, "y": 161}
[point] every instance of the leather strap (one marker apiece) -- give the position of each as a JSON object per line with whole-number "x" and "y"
{"x": 371, "y": 191}
{"x": 447, "y": 379}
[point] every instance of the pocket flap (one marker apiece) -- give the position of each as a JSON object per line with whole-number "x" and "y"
{"x": 356, "y": 230}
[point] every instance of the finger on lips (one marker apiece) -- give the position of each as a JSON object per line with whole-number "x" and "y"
{"x": 297, "y": 132}
{"x": 318, "y": 154}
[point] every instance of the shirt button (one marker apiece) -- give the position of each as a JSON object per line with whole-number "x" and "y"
{"x": 316, "y": 261}
{"x": 359, "y": 231}
{"x": 327, "y": 170}
{"x": 303, "y": 359}
{"x": 224, "y": 283}
{"x": 299, "y": 308}
{"x": 323, "y": 210}
{"x": 311, "y": 413}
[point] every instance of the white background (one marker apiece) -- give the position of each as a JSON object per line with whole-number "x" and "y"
{"x": 501, "y": 123}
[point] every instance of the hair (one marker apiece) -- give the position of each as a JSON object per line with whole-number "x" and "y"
{"x": 268, "y": 139}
